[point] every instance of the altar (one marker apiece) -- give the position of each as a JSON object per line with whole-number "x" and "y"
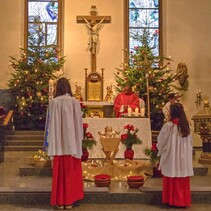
{"x": 98, "y": 124}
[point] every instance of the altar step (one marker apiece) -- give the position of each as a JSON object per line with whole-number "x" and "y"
{"x": 117, "y": 193}
{"x": 23, "y": 140}
{"x": 19, "y": 140}
{"x": 31, "y": 170}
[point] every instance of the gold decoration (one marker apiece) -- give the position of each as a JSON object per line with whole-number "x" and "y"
{"x": 110, "y": 141}
{"x": 39, "y": 94}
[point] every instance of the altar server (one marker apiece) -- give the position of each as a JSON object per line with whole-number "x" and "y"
{"x": 175, "y": 147}
{"x": 64, "y": 138}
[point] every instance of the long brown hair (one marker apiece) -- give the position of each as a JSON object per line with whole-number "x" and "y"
{"x": 177, "y": 111}
{"x": 63, "y": 87}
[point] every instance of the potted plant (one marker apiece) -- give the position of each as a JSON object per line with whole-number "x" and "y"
{"x": 87, "y": 143}
{"x": 41, "y": 159}
{"x": 129, "y": 138}
{"x": 84, "y": 109}
{"x": 154, "y": 159}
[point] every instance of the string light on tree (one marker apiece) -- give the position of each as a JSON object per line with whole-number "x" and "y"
{"x": 143, "y": 70}
{"x": 37, "y": 64}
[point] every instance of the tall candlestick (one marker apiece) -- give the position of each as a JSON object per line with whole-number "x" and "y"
{"x": 142, "y": 112}
{"x": 129, "y": 111}
{"x": 136, "y": 111}
{"x": 51, "y": 83}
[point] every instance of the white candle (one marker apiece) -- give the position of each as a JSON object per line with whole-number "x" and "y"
{"x": 142, "y": 112}
{"x": 136, "y": 111}
{"x": 129, "y": 111}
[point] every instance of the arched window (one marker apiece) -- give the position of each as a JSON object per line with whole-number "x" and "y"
{"x": 143, "y": 14}
{"x": 48, "y": 13}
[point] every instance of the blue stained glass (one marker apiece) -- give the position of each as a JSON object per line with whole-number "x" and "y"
{"x": 46, "y": 12}
{"x": 144, "y": 14}
{"x": 143, "y": 3}
{"x": 32, "y": 29}
{"x": 153, "y": 40}
{"x": 143, "y": 18}
{"x": 51, "y": 34}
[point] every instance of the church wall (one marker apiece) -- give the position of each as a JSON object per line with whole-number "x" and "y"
{"x": 11, "y": 36}
{"x": 186, "y": 39}
{"x": 76, "y": 38}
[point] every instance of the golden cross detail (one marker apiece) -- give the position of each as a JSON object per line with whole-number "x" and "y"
{"x": 94, "y": 25}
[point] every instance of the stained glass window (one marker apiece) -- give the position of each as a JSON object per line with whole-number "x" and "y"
{"x": 144, "y": 14}
{"x": 46, "y": 12}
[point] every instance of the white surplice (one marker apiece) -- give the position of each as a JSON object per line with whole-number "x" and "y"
{"x": 175, "y": 151}
{"x": 65, "y": 131}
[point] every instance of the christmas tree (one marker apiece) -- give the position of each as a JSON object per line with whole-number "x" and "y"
{"x": 145, "y": 68}
{"x": 29, "y": 82}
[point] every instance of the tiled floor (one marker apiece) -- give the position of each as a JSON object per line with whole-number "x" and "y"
{"x": 105, "y": 207}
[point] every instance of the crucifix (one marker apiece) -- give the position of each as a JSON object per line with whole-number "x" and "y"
{"x": 93, "y": 80}
{"x": 94, "y": 25}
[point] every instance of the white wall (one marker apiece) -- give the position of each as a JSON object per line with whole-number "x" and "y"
{"x": 11, "y": 36}
{"x": 76, "y": 37}
{"x": 187, "y": 39}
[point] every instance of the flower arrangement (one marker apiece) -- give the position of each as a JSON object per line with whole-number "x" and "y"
{"x": 130, "y": 137}
{"x": 41, "y": 155}
{"x": 88, "y": 140}
{"x": 84, "y": 109}
{"x": 152, "y": 153}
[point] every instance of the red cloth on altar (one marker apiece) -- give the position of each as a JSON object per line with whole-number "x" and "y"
{"x": 176, "y": 191}
{"x": 131, "y": 100}
{"x": 67, "y": 184}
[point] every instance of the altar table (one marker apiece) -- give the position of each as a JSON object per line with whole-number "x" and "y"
{"x": 98, "y": 125}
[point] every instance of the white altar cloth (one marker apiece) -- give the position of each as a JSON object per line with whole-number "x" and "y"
{"x": 99, "y": 124}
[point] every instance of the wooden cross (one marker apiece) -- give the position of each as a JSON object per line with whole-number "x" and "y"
{"x": 94, "y": 24}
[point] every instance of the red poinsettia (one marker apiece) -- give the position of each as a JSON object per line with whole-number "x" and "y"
{"x": 88, "y": 141}
{"x": 130, "y": 137}
{"x": 84, "y": 109}
{"x": 85, "y": 125}
{"x": 152, "y": 153}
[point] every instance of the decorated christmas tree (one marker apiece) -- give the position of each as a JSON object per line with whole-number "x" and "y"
{"x": 149, "y": 74}
{"x": 29, "y": 82}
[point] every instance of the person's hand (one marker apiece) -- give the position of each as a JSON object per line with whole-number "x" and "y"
{"x": 125, "y": 107}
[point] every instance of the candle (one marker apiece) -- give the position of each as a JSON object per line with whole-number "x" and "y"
{"x": 136, "y": 111}
{"x": 129, "y": 111}
{"x": 142, "y": 112}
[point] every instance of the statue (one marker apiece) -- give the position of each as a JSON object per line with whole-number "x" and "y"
{"x": 182, "y": 73}
{"x": 109, "y": 95}
{"x": 109, "y": 133}
{"x": 94, "y": 28}
{"x": 78, "y": 94}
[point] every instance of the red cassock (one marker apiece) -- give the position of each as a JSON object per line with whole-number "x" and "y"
{"x": 65, "y": 134}
{"x": 131, "y": 100}
{"x": 176, "y": 191}
{"x": 67, "y": 184}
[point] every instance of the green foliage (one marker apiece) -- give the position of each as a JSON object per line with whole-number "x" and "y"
{"x": 88, "y": 143}
{"x": 130, "y": 137}
{"x": 29, "y": 82}
{"x": 152, "y": 153}
{"x": 143, "y": 65}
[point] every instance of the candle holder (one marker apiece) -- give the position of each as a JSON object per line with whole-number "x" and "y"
{"x": 198, "y": 98}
